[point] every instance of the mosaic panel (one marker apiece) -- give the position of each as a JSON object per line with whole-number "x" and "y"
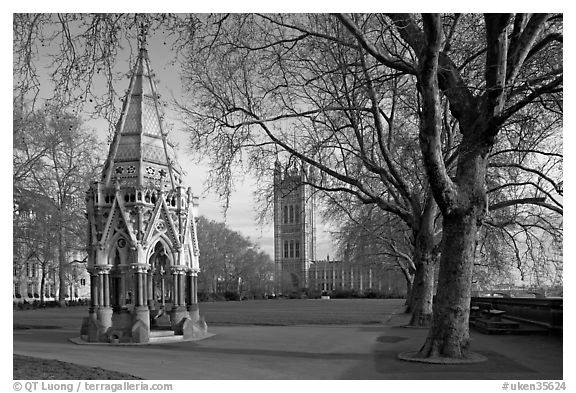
{"x": 150, "y": 121}
{"x": 154, "y": 154}
{"x": 127, "y": 152}
{"x": 132, "y": 124}
{"x": 146, "y": 87}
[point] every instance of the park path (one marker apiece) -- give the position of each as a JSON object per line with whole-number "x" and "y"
{"x": 366, "y": 351}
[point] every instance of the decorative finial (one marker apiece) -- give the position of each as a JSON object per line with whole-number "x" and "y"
{"x": 142, "y": 35}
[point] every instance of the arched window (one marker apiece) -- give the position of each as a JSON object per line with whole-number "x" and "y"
{"x": 291, "y": 214}
{"x": 291, "y": 248}
{"x": 285, "y": 214}
{"x": 285, "y": 248}
{"x": 297, "y": 249}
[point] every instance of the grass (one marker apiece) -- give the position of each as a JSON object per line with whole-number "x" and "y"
{"x": 27, "y": 367}
{"x": 299, "y": 312}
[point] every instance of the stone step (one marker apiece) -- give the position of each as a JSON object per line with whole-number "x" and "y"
{"x": 164, "y": 336}
{"x": 166, "y": 339}
{"x": 161, "y": 333}
{"x": 497, "y": 324}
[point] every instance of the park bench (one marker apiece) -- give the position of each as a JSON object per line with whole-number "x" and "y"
{"x": 485, "y": 310}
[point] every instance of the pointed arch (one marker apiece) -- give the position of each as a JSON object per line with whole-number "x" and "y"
{"x": 113, "y": 244}
{"x": 161, "y": 211}
{"x": 166, "y": 244}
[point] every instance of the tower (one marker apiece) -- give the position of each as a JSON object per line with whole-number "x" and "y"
{"x": 294, "y": 226}
{"x": 142, "y": 242}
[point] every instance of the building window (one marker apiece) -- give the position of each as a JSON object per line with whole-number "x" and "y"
{"x": 31, "y": 269}
{"x": 285, "y": 214}
{"x": 297, "y": 249}
{"x": 291, "y": 214}
{"x": 83, "y": 281}
{"x": 291, "y": 249}
{"x": 297, "y": 214}
{"x": 285, "y": 248}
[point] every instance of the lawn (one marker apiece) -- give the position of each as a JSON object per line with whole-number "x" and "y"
{"x": 26, "y": 367}
{"x": 300, "y": 312}
{"x": 252, "y": 312}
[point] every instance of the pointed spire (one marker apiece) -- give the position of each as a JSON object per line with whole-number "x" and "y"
{"x": 140, "y": 154}
{"x": 142, "y": 36}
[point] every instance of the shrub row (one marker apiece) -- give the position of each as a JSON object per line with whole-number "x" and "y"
{"x": 304, "y": 293}
{"x": 25, "y": 305}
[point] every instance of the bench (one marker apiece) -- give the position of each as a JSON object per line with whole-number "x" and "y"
{"x": 487, "y": 310}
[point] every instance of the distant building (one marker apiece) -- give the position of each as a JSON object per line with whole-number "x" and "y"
{"x": 294, "y": 227}
{"x": 34, "y": 254}
{"x": 296, "y": 265}
{"x": 331, "y": 276}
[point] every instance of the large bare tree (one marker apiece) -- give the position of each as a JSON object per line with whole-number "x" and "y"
{"x": 474, "y": 77}
{"x": 58, "y": 178}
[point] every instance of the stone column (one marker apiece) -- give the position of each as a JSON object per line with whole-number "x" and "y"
{"x": 192, "y": 278}
{"x": 93, "y": 291}
{"x": 189, "y": 296}
{"x": 195, "y": 287}
{"x": 175, "y": 288}
{"x": 162, "y": 289}
{"x": 91, "y": 326}
{"x": 150, "y": 289}
{"x": 106, "y": 282}
{"x": 141, "y": 312}
{"x": 182, "y": 288}
{"x": 103, "y": 311}
{"x": 179, "y": 311}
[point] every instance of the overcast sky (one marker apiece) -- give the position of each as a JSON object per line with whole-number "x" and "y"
{"x": 241, "y": 215}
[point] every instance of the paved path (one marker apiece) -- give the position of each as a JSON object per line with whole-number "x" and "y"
{"x": 301, "y": 352}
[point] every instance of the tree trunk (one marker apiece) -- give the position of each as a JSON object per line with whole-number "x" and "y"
{"x": 42, "y": 285}
{"x": 425, "y": 262}
{"x": 409, "y": 299}
{"x": 449, "y": 335}
{"x": 422, "y": 293}
{"x": 62, "y": 268}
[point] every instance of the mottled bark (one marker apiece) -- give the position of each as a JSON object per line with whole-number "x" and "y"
{"x": 462, "y": 201}
{"x": 425, "y": 261}
{"x": 449, "y": 335}
{"x": 62, "y": 268}
{"x": 422, "y": 294}
{"x": 42, "y": 285}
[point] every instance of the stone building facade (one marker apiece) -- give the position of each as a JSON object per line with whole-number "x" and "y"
{"x": 35, "y": 256}
{"x": 294, "y": 227}
{"x": 331, "y": 276}
{"x": 296, "y": 266}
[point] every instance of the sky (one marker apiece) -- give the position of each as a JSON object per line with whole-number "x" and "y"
{"x": 241, "y": 215}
